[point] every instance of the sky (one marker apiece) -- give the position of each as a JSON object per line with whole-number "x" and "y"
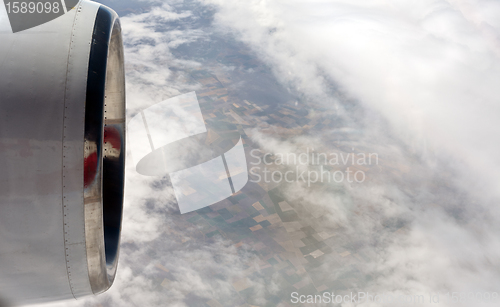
{"x": 415, "y": 82}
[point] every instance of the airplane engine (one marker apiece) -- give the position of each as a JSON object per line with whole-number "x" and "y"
{"x": 62, "y": 152}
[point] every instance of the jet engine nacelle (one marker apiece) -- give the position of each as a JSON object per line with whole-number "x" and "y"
{"x": 62, "y": 132}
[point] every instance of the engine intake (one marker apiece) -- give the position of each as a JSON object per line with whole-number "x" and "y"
{"x": 62, "y": 155}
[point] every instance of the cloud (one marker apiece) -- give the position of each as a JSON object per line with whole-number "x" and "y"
{"x": 429, "y": 69}
{"x": 148, "y": 40}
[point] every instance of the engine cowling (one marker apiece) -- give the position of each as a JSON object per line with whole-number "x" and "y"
{"x": 62, "y": 151}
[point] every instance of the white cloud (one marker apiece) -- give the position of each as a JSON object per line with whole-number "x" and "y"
{"x": 149, "y": 61}
{"x": 431, "y": 69}
{"x": 432, "y": 64}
